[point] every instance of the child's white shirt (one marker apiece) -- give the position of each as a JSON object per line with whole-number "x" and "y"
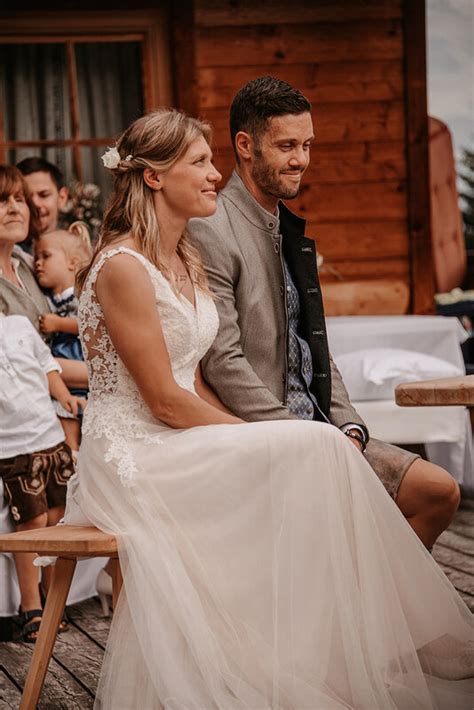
{"x": 28, "y": 421}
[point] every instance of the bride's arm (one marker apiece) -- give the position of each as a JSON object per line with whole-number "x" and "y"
{"x": 206, "y": 393}
{"x": 127, "y": 297}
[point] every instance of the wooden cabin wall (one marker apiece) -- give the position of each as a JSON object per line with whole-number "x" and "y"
{"x": 362, "y": 64}
{"x": 347, "y": 57}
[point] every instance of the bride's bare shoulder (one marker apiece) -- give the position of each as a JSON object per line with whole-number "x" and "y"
{"x": 122, "y": 269}
{"x": 125, "y": 246}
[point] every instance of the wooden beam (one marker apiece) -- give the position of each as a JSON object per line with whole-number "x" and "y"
{"x": 63, "y": 142}
{"x": 59, "y": 39}
{"x": 340, "y": 270}
{"x": 356, "y": 41}
{"x": 76, "y": 23}
{"x": 416, "y": 121}
{"x": 184, "y": 56}
{"x": 358, "y": 298}
{"x": 360, "y": 240}
{"x": 353, "y": 202}
{"x": 342, "y": 162}
{"x": 319, "y": 81}
{"x": 348, "y": 122}
{"x": 249, "y": 12}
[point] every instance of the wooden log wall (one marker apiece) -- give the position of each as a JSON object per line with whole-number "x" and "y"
{"x": 347, "y": 57}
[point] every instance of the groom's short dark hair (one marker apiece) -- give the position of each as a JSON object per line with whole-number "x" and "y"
{"x": 262, "y": 99}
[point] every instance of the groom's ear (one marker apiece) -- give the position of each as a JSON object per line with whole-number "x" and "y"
{"x": 152, "y": 179}
{"x": 244, "y": 145}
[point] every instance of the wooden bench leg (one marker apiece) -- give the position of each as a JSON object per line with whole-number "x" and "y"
{"x": 53, "y": 611}
{"x": 116, "y": 580}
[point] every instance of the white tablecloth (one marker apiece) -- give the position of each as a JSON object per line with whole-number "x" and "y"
{"x": 433, "y": 426}
{"x": 433, "y": 335}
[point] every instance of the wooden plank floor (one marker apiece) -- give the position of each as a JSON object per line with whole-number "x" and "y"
{"x": 454, "y": 551}
{"x": 74, "y": 670}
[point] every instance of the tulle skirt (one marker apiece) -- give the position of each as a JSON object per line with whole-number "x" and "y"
{"x": 265, "y": 567}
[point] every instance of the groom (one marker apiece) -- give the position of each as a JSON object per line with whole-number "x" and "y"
{"x": 270, "y": 359}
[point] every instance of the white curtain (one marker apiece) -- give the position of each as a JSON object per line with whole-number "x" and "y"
{"x": 35, "y": 100}
{"x": 110, "y": 97}
{"x": 34, "y": 93}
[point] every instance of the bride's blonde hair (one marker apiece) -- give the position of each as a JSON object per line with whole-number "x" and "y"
{"x": 157, "y": 141}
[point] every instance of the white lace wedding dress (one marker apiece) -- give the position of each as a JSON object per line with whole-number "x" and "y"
{"x": 264, "y": 565}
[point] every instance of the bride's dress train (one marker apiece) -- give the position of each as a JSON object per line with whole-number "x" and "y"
{"x": 264, "y": 564}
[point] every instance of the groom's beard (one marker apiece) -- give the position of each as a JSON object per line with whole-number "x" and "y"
{"x": 271, "y": 181}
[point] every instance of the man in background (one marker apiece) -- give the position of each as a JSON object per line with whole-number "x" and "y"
{"x": 47, "y": 188}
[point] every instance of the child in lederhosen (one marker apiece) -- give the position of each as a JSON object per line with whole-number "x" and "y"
{"x": 35, "y": 461}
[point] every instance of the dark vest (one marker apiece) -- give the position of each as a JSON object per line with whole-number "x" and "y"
{"x": 300, "y": 255}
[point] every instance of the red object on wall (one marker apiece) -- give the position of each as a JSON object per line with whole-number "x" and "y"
{"x": 447, "y": 236}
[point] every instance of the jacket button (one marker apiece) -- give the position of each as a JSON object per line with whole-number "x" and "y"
{"x": 282, "y": 290}
{"x": 276, "y": 247}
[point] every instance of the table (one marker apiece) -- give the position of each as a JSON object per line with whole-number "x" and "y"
{"x": 447, "y": 437}
{"x": 448, "y": 392}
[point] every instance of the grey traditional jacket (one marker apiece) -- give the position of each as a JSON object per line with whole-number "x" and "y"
{"x": 243, "y": 248}
{"x": 30, "y": 301}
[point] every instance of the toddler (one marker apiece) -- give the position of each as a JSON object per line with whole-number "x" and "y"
{"x": 35, "y": 461}
{"x": 58, "y": 255}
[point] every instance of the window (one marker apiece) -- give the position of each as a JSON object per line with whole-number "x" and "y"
{"x": 66, "y": 93}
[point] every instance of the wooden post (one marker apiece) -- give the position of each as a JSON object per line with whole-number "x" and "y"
{"x": 418, "y": 187}
{"x": 184, "y": 56}
{"x": 53, "y": 611}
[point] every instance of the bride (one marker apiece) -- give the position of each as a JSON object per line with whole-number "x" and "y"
{"x": 258, "y": 574}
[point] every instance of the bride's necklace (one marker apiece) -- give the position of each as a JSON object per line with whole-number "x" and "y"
{"x": 180, "y": 274}
{"x": 181, "y": 279}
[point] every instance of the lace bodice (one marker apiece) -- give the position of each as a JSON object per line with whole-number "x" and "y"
{"x": 116, "y": 409}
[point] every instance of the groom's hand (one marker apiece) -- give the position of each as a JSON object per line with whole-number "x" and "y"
{"x": 356, "y": 443}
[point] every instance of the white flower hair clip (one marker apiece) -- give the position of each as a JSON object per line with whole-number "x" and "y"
{"x": 111, "y": 158}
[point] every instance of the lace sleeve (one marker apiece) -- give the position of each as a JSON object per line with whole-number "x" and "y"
{"x": 115, "y": 411}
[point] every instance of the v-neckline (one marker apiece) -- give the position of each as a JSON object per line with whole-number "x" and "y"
{"x": 181, "y": 297}
{"x": 178, "y": 296}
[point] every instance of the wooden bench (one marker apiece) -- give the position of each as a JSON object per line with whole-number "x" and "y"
{"x": 447, "y": 392}
{"x": 68, "y": 543}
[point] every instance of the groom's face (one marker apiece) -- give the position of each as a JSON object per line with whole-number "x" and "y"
{"x": 281, "y": 155}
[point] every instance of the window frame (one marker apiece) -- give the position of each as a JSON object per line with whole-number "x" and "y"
{"x": 67, "y": 28}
